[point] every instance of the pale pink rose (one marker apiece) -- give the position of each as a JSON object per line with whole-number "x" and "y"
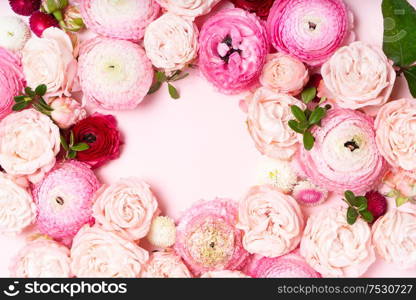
{"x": 50, "y": 60}
{"x": 66, "y": 112}
{"x": 224, "y": 274}
{"x": 41, "y": 258}
{"x": 285, "y": 74}
{"x": 267, "y": 119}
{"x": 29, "y": 142}
{"x": 358, "y": 76}
{"x": 395, "y": 126}
{"x": 403, "y": 184}
{"x": 127, "y": 207}
{"x": 334, "y": 248}
{"x": 272, "y": 221}
{"x": 165, "y": 265}
{"x": 96, "y": 252}
{"x": 394, "y": 236}
{"x": 188, "y": 8}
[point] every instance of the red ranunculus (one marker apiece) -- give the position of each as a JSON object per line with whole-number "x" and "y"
{"x": 259, "y": 7}
{"x": 100, "y": 132}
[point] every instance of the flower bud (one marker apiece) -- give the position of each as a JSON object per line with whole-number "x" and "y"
{"x": 66, "y": 112}
{"x": 73, "y": 19}
{"x": 54, "y": 7}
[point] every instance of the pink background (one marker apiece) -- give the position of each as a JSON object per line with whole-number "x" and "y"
{"x": 198, "y": 147}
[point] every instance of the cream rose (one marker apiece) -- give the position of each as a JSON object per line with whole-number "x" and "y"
{"x": 188, "y": 8}
{"x": 96, "y": 252}
{"x": 394, "y": 237}
{"x": 267, "y": 119}
{"x": 285, "y": 74}
{"x": 272, "y": 221}
{"x": 165, "y": 265}
{"x": 358, "y": 76}
{"x": 402, "y": 185}
{"x": 171, "y": 42}
{"x": 395, "y": 126}
{"x": 29, "y": 142}
{"x": 127, "y": 207}
{"x": 17, "y": 210}
{"x": 50, "y": 60}
{"x": 334, "y": 248}
{"x": 66, "y": 111}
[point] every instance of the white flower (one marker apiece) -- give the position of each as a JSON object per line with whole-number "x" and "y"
{"x": 277, "y": 173}
{"x": 162, "y": 232}
{"x": 14, "y": 33}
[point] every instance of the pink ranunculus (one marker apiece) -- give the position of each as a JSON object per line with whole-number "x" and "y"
{"x": 114, "y": 74}
{"x": 66, "y": 112}
{"x": 125, "y": 20}
{"x": 272, "y": 221}
{"x": 345, "y": 154}
{"x": 309, "y": 30}
{"x": 224, "y": 274}
{"x": 29, "y": 142}
{"x": 267, "y": 119}
{"x": 283, "y": 73}
{"x": 334, "y": 248}
{"x": 12, "y": 80}
{"x": 96, "y": 252}
{"x": 232, "y": 51}
{"x": 207, "y": 239}
{"x": 165, "y": 265}
{"x": 126, "y": 207}
{"x": 188, "y": 8}
{"x": 396, "y": 135}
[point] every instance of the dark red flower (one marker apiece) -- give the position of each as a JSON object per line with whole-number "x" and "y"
{"x": 377, "y": 204}
{"x": 259, "y": 7}
{"x": 40, "y": 21}
{"x": 100, "y": 132}
{"x": 24, "y": 7}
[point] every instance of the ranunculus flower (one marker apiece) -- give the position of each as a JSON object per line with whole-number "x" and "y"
{"x": 224, "y": 274}
{"x": 309, "y": 30}
{"x": 207, "y": 239}
{"x": 188, "y": 8}
{"x": 165, "y": 265}
{"x": 12, "y": 80}
{"x": 96, "y": 252}
{"x": 29, "y": 142}
{"x": 272, "y": 221}
{"x": 345, "y": 154}
{"x": 66, "y": 111}
{"x": 119, "y": 19}
{"x": 14, "y": 33}
{"x": 41, "y": 258}
{"x": 358, "y": 76}
{"x": 17, "y": 210}
{"x": 232, "y": 51}
{"x": 50, "y": 60}
{"x": 126, "y": 207}
{"x": 114, "y": 74}
{"x": 100, "y": 132}
{"x": 267, "y": 119}
{"x": 334, "y": 248}
{"x": 396, "y": 134}
{"x": 259, "y": 7}
{"x": 283, "y": 73}
{"x": 171, "y": 42}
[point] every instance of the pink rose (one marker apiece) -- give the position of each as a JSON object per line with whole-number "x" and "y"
{"x": 165, "y": 265}
{"x": 224, "y": 274}
{"x": 29, "y": 142}
{"x": 126, "y": 207}
{"x": 66, "y": 112}
{"x": 188, "y": 8}
{"x": 267, "y": 119}
{"x": 403, "y": 184}
{"x": 285, "y": 74}
{"x": 272, "y": 221}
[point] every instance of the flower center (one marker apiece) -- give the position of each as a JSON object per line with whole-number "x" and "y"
{"x": 228, "y": 41}
{"x": 312, "y": 25}
{"x": 89, "y": 138}
{"x": 59, "y": 200}
{"x": 352, "y": 145}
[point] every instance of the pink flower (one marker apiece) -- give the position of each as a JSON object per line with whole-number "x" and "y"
{"x": 125, "y": 20}
{"x": 11, "y": 80}
{"x": 345, "y": 155}
{"x": 224, "y": 274}
{"x": 267, "y": 119}
{"x": 309, "y": 30}
{"x": 41, "y": 258}
{"x": 188, "y": 8}
{"x": 403, "y": 184}
{"x": 66, "y": 112}
{"x": 285, "y": 74}
{"x": 96, "y": 252}
{"x": 233, "y": 49}
{"x": 165, "y": 265}
{"x": 396, "y": 135}
{"x": 126, "y": 207}
{"x": 64, "y": 199}
{"x": 114, "y": 74}
{"x": 272, "y": 221}
{"x": 308, "y": 194}
{"x": 207, "y": 239}
{"x": 29, "y": 142}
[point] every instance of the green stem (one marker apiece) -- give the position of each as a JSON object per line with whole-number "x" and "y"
{"x": 58, "y": 15}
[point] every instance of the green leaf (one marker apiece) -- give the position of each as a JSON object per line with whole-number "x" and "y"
{"x": 20, "y": 106}
{"x": 18, "y": 99}
{"x": 179, "y": 77}
{"x": 155, "y": 87}
{"x": 350, "y": 197}
{"x": 29, "y": 91}
{"x": 308, "y": 94}
{"x": 317, "y": 115}
{"x": 41, "y": 90}
{"x": 44, "y": 105}
{"x": 304, "y": 125}
{"x": 298, "y": 113}
{"x": 80, "y": 147}
{"x": 160, "y": 76}
{"x": 367, "y": 216}
{"x": 399, "y": 42}
{"x": 308, "y": 140}
{"x": 72, "y": 154}
{"x": 39, "y": 108}
{"x": 401, "y": 200}
{"x": 351, "y": 215}
{"x": 64, "y": 143}
{"x": 361, "y": 203}
{"x": 410, "y": 75}
{"x": 173, "y": 92}
{"x": 294, "y": 125}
